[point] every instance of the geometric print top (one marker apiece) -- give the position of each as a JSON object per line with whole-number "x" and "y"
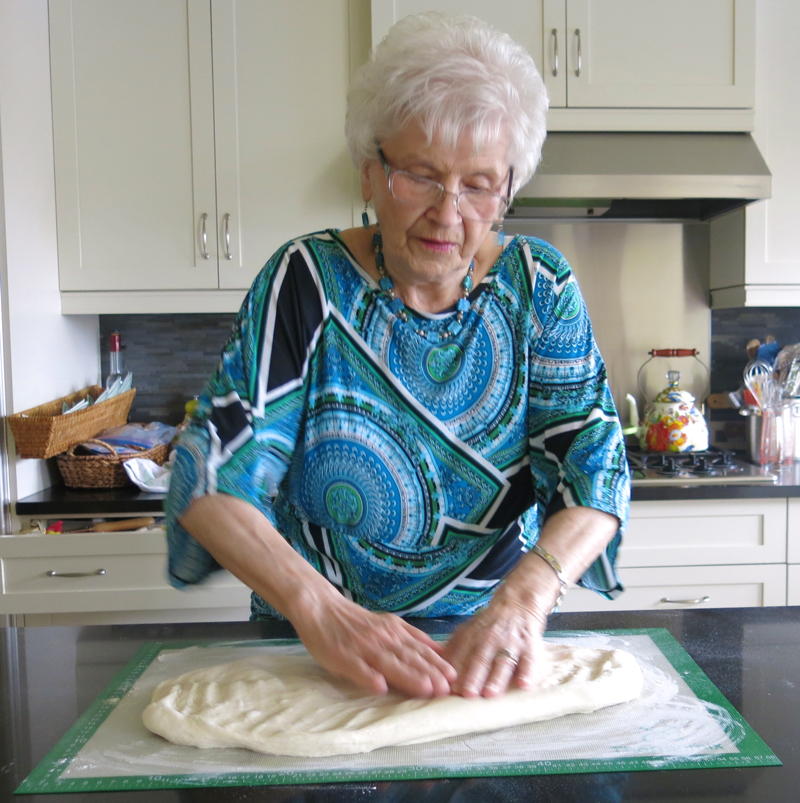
{"x": 412, "y": 474}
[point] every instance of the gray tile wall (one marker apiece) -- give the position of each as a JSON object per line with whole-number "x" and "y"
{"x": 171, "y": 357}
{"x": 732, "y": 329}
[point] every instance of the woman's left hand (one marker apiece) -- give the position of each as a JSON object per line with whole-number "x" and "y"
{"x": 501, "y": 647}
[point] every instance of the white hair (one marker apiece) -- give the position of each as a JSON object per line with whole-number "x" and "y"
{"x": 453, "y": 75}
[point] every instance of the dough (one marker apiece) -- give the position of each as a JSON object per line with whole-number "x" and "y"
{"x": 289, "y": 705}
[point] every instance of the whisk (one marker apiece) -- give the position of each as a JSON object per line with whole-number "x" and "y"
{"x": 760, "y": 381}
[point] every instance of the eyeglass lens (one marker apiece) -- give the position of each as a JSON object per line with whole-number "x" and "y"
{"x": 418, "y": 190}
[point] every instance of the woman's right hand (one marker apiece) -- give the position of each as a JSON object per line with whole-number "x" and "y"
{"x": 376, "y": 651}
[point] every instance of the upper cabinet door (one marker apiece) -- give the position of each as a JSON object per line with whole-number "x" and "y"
{"x": 521, "y": 19}
{"x": 281, "y": 73}
{"x": 553, "y": 64}
{"x": 652, "y": 53}
{"x": 134, "y": 144}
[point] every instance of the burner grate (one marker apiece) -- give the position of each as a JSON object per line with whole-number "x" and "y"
{"x": 693, "y": 468}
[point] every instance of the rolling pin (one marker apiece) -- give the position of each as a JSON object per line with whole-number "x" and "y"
{"x": 115, "y": 526}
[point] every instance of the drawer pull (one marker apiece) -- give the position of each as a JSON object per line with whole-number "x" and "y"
{"x": 226, "y": 225}
{"x": 204, "y": 235}
{"x": 76, "y": 574}
{"x": 687, "y": 601}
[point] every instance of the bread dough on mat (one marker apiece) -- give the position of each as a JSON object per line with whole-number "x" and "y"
{"x": 289, "y": 705}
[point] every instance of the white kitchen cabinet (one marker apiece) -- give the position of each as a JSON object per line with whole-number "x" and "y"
{"x": 703, "y": 532}
{"x": 625, "y": 64}
{"x": 133, "y": 128}
{"x": 281, "y": 73}
{"x": 192, "y": 138}
{"x": 522, "y": 20}
{"x": 793, "y": 584}
{"x": 755, "y": 252}
{"x": 793, "y": 556}
{"x": 99, "y": 574}
{"x": 675, "y": 555}
{"x": 793, "y": 548}
{"x": 647, "y": 53}
{"x": 699, "y": 553}
{"x": 687, "y": 587}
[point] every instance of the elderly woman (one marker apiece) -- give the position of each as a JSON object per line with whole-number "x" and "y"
{"x": 412, "y": 418}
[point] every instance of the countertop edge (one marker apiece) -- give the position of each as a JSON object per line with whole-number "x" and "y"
{"x": 61, "y": 501}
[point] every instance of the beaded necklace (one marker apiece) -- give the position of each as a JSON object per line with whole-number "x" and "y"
{"x": 397, "y": 307}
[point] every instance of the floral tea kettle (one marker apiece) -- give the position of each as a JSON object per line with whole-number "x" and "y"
{"x": 672, "y": 421}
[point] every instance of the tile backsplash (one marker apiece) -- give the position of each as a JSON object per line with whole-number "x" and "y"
{"x": 732, "y": 329}
{"x": 171, "y": 357}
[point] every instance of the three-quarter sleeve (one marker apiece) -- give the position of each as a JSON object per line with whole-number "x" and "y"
{"x": 245, "y": 428}
{"x": 577, "y": 448}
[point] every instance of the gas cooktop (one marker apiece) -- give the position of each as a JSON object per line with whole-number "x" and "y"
{"x": 694, "y": 468}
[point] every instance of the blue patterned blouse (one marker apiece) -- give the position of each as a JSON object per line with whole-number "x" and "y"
{"x": 412, "y": 472}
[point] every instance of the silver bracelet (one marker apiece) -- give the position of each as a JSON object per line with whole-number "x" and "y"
{"x": 556, "y": 567}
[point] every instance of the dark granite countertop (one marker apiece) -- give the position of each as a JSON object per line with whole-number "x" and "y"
{"x": 59, "y": 500}
{"x": 787, "y": 485}
{"x": 62, "y": 501}
{"x": 50, "y": 676}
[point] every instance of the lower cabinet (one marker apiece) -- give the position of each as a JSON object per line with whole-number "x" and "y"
{"x": 688, "y": 587}
{"x": 105, "y": 578}
{"x": 793, "y": 584}
{"x": 699, "y": 554}
{"x": 678, "y": 554}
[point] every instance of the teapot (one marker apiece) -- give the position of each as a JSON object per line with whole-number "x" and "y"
{"x": 672, "y": 421}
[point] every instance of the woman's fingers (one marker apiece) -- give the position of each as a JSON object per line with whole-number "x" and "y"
{"x": 432, "y": 651}
{"x": 407, "y": 671}
{"x": 497, "y": 650}
{"x": 504, "y": 668}
{"x": 377, "y": 652}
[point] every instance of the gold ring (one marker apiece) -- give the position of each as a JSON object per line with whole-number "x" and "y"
{"x": 509, "y": 655}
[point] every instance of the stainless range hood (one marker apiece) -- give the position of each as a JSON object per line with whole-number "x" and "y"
{"x": 680, "y": 176}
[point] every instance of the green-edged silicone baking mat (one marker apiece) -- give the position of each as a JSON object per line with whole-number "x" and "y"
{"x": 680, "y": 721}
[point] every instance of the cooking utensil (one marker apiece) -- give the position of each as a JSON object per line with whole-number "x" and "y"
{"x": 753, "y": 429}
{"x": 760, "y": 381}
{"x": 770, "y": 436}
{"x": 672, "y": 421}
{"x": 116, "y": 526}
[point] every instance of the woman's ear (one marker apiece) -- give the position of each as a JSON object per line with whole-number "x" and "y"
{"x": 366, "y": 184}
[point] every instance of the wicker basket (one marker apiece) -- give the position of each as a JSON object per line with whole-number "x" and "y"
{"x": 44, "y": 432}
{"x": 103, "y": 470}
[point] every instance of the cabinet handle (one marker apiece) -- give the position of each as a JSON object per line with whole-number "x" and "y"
{"x": 226, "y": 227}
{"x": 580, "y": 53}
{"x": 687, "y": 601}
{"x": 76, "y": 574}
{"x": 554, "y": 34}
{"x": 204, "y": 235}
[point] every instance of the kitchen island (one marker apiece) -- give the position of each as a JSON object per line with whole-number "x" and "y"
{"x": 51, "y": 676}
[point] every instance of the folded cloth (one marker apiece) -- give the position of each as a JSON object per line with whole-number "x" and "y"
{"x": 149, "y": 476}
{"x": 132, "y": 438}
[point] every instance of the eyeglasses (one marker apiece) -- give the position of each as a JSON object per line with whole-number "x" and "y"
{"x": 415, "y": 190}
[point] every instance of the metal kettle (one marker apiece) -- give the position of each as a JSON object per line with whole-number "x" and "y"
{"x": 672, "y": 421}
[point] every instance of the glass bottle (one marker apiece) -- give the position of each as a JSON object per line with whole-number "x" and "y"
{"x": 115, "y": 360}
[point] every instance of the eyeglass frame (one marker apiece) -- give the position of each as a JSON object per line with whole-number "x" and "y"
{"x": 390, "y": 171}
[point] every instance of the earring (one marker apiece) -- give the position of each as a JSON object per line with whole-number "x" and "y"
{"x": 365, "y": 216}
{"x": 501, "y": 235}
